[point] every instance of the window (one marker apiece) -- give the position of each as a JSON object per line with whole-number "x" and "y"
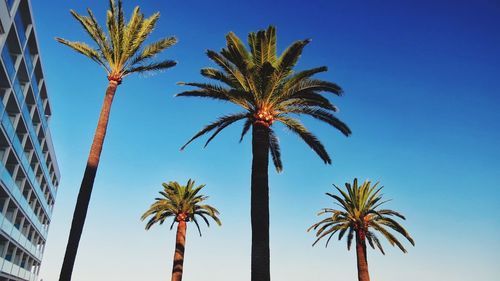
{"x": 10, "y": 3}
{"x": 7, "y": 61}
{"x": 21, "y": 28}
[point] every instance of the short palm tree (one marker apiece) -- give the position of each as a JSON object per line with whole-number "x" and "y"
{"x": 183, "y": 204}
{"x": 120, "y": 52}
{"x": 265, "y": 85}
{"x": 359, "y": 216}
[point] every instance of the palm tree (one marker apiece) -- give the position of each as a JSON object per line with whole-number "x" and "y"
{"x": 359, "y": 217}
{"x": 266, "y": 87}
{"x": 183, "y": 203}
{"x": 120, "y": 52}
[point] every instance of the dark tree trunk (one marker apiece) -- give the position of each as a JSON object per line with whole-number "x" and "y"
{"x": 361, "y": 255}
{"x": 180, "y": 243}
{"x": 83, "y": 199}
{"x": 260, "y": 204}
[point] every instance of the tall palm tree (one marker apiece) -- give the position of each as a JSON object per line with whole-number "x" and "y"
{"x": 120, "y": 52}
{"x": 184, "y": 204}
{"x": 360, "y": 216}
{"x": 264, "y": 84}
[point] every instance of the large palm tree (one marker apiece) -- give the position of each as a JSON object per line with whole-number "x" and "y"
{"x": 264, "y": 84}
{"x": 360, "y": 216}
{"x": 120, "y": 52}
{"x": 184, "y": 204}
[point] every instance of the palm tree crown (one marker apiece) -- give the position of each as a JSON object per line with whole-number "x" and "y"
{"x": 119, "y": 51}
{"x": 266, "y": 87}
{"x": 183, "y": 203}
{"x": 360, "y": 214}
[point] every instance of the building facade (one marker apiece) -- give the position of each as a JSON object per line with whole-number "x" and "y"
{"x": 29, "y": 174}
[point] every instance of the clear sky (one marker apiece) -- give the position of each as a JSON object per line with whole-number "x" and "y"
{"x": 421, "y": 96}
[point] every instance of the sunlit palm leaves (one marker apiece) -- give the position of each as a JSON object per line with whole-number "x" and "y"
{"x": 264, "y": 84}
{"x": 120, "y": 51}
{"x": 181, "y": 203}
{"x": 360, "y": 213}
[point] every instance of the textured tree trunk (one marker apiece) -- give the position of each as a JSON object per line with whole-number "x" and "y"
{"x": 361, "y": 255}
{"x": 83, "y": 200}
{"x": 180, "y": 243}
{"x": 260, "y": 204}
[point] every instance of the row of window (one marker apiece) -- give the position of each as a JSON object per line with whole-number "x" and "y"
{"x": 31, "y": 194}
{"x": 32, "y": 106}
{"x": 21, "y": 39}
{"x": 27, "y": 152}
{"x": 31, "y": 126}
{"x": 16, "y": 262}
{"x": 14, "y": 223}
{"x": 32, "y": 151}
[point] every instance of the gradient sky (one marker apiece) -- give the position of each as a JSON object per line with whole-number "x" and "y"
{"x": 421, "y": 96}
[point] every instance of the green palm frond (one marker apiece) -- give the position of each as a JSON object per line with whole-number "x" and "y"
{"x": 290, "y": 56}
{"x": 221, "y": 122}
{"x": 295, "y": 126}
{"x": 85, "y": 50}
{"x": 153, "y": 49}
{"x": 216, "y": 74}
{"x": 263, "y": 46}
{"x": 264, "y": 83}
{"x": 179, "y": 200}
{"x": 218, "y": 92}
{"x": 322, "y": 115}
{"x": 155, "y": 66}
{"x": 274, "y": 147}
{"x": 229, "y": 68}
{"x": 118, "y": 50}
{"x": 359, "y": 214}
{"x": 246, "y": 128}
{"x": 294, "y": 79}
{"x": 308, "y": 100}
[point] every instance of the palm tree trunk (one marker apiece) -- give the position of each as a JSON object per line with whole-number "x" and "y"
{"x": 260, "y": 270}
{"x": 361, "y": 255}
{"x": 180, "y": 243}
{"x": 83, "y": 200}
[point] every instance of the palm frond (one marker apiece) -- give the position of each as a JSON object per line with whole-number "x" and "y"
{"x": 389, "y": 236}
{"x": 146, "y": 27}
{"x": 294, "y": 79}
{"x": 290, "y": 56}
{"x": 274, "y": 148}
{"x": 93, "y": 29}
{"x": 203, "y": 94}
{"x": 324, "y": 116}
{"x": 396, "y": 227}
{"x": 156, "y": 66}
{"x": 307, "y": 99}
{"x": 85, "y": 50}
{"x": 296, "y": 127}
{"x": 246, "y": 127}
{"x": 236, "y": 53}
{"x": 218, "y": 92}
{"x": 229, "y": 68}
{"x": 216, "y": 74}
{"x": 153, "y": 49}
{"x": 220, "y": 128}
{"x": 229, "y": 119}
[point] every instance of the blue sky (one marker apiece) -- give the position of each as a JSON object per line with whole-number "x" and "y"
{"x": 421, "y": 96}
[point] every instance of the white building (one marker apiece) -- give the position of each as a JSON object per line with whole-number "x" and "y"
{"x": 29, "y": 174}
